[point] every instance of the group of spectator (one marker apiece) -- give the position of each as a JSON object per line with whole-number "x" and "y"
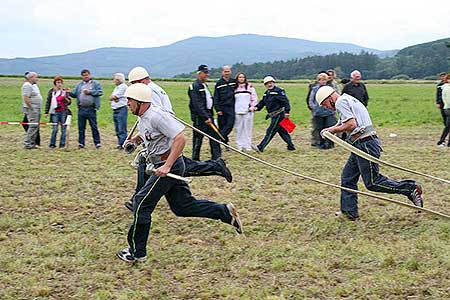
{"x": 87, "y": 94}
{"x": 234, "y": 100}
{"x": 322, "y": 117}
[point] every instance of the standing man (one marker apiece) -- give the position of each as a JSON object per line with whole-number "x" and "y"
{"x": 164, "y": 140}
{"x": 32, "y": 101}
{"x": 356, "y": 88}
{"x": 224, "y": 102}
{"x": 355, "y": 119}
{"x": 201, "y": 106}
{"x": 88, "y": 93}
{"x": 278, "y": 108}
{"x": 439, "y": 101}
{"x": 332, "y": 81}
{"x": 120, "y": 109}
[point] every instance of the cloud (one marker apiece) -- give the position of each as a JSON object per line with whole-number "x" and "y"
{"x": 36, "y": 28}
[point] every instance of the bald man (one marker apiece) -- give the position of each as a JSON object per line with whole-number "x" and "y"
{"x": 224, "y": 102}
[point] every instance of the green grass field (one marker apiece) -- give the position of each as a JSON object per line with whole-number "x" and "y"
{"x": 62, "y": 217}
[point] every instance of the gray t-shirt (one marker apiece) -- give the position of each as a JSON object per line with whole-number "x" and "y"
{"x": 158, "y": 128}
{"x": 351, "y": 108}
{"x": 86, "y": 100}
{"x": 32, "y": 91}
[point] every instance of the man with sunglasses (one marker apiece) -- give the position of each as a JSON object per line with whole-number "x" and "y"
{"x": 355, "y": 120}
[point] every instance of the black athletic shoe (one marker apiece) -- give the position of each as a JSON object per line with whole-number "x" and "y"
{"x": 345, "y": 216}
{"x": 129, "y": 205}
{"x": 291, "y": 148}
{"x": 125, "y": 255}
{"x": 226, "y": 173}
{"x": 416, "y": 196}
{"x": 235, "y": 220}
{"x": 256, "y": 148}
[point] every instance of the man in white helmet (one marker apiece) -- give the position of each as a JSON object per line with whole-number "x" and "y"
{"x": 355, "y": 120}
{"x": 193, "y": 168}
{"x": 278, "y": 108}
{"x": 160, "y": 97}
{"x": 164, "y": 140}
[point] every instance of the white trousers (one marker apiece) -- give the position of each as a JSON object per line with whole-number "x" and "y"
{"x": 243, "y": 125}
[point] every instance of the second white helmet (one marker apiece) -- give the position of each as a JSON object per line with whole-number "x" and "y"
{"x": 137, "y": 73}
{"x": 268, "y": 79}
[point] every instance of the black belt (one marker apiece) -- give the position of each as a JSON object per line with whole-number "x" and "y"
{"x": 117, "y": 109}
{"x": 365, "y": 139}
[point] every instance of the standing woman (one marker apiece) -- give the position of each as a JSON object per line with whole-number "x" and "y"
{"x": 57, "y": 102}
{"x": 120, "y": 108}
{"x": 446, "y": 111}
{"x": 245, "y": 102}
{"x": 32, "y": 100}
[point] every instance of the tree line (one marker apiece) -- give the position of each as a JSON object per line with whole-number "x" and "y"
{"x": 416, "y": 62}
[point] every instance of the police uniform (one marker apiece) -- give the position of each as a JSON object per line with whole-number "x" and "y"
{"x": 157, "y": 129}
{"x": 201, "y": 107}
{"x": 364, "y": 138}
{"x": 277, "y": 105}
{"x": 224, "y": 102}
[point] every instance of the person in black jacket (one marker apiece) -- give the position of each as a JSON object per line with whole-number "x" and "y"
{"x": 356, "y": 88}
{"x": 278, "y": 108}
{"x": 439, "y": 102}
{"x": 201, "y": 106}
{"x": 224, "y": 102}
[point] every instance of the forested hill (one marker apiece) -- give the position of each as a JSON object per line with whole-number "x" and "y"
{"x": 419, "y": 61}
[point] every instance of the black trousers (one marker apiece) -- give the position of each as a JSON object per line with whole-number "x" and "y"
{"x": 226, "y": 122}
{"x": 180, "y": 200}
{"x": 273, "y": 129}
{"x": 446, "y": 130}
{"x": 193, "y": 168}
{"x": 197, "y": 139}
{"x": 25, "y": 127}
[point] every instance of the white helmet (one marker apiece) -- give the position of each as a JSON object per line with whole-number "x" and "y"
{"x": 139, "y": 92}
{"x": 323, "y": 93}
{"x": 137, "y": 73}
{"x": 268, "y": 79}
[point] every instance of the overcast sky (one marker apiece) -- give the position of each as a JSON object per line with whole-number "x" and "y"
{"x": 31, "y": 28}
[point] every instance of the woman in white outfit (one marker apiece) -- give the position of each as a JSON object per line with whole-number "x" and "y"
{"x": 246, "y": 98}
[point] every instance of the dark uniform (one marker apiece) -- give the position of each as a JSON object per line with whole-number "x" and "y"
{"x": 200, "y": 112}
{"x": 358, "y": 91}
{"x": 277, "y": 105}
{"x": 439, "y": 100}
{"x": 224, "y": 102}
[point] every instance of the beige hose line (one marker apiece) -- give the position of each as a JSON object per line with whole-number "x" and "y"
{"x": 371, "y": 158}
{"x": 436, "y": 213}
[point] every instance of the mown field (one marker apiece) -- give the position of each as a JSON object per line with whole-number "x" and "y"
{"x": 62, "y": 216}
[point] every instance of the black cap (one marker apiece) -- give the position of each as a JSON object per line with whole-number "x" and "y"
{"x": 203, "y": 68}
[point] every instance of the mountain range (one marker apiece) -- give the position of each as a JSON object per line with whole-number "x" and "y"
{"x": 182, "y": 56}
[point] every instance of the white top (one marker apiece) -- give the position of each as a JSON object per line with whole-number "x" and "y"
{"x": 351, "y": 108}
{"x": 160, "y": 97}
{"x": 158, "y": 128}
{"x": 446, "y": 95}
{"x": 31, "y": 91}
{"x": 209, "y": 99}
{"x": 119, "y": 92}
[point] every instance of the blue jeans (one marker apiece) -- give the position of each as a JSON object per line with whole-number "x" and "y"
{"x": 180, "y": 200}
{"x": 357, "y": 166}
{"x": 87, "y": 114}
{"x": 120, "y": 124}
{"x": 58, "y": 117}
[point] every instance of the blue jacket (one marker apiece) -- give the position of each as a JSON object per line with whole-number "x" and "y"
{"x": 274, "y": 100}
{"x": 96, "y": 92}
{"x": 317, "y": 110}
{"x": 197, "y": 100}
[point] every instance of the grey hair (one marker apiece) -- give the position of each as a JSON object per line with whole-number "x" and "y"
{"x": 352, "y": 74}
{"x": 120, "y": 77}
{"x": 30, "y": 74}
{"x": 226, "y": 66}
